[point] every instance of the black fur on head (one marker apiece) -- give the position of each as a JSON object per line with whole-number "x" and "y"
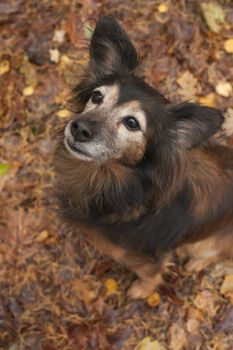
{"x": 112, "y": 57}
{"x": 111, "y": 52}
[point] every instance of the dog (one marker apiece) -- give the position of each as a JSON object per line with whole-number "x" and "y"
{"x": 138, "y": 174}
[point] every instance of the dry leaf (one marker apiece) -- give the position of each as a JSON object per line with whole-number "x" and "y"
{"x": 178, "y": 337}
{"x": 228, "y": 123}
{"x": 214, "y": 16}
{"x": 63, "y": 113}
{"x": 42, "y": 236}
{"x": 148, "y": 344}
{"x": 54, "y": 55}
{"x": 4, "y": 67}
{"x": 188, "y": 85}
{"x": 224, "y": 89}
{"x": 111, "y": 286}
{"x": 228, "y": 45}
{"x": 208, "y": 100}
{"x": 28, "y": 91}
{"x": 163, "y": 8}
{"x": 59, "y": 36}
{"x": 206, "y": 302}
{"x": 227, "y": 286}
{"x": 153, "y": 300}
{"x": 193, "y": 326}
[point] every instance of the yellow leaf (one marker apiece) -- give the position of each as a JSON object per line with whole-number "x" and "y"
{"x": 153, "y": 300}
{"x": 227, "y": 286}
{"x": 63, "y": 113}
{"x": 28, "y": 91}
{"x": 4, "y": 169}
{"x": 42, "y": 236}
{"x": 223, "y": 88}
{"x": 228, "y": 45}
{"x": 148, "y": 344}
{"x": 111, "y": 286}
{"x": 4, "y": 67}
{"x": 163, "y": 8}
{"x": 208, "y": 100}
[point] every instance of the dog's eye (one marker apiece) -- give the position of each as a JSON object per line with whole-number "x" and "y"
{"x": 131, "y": 123}
{"x": 97, "y": 97}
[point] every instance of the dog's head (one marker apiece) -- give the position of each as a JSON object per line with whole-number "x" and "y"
{"x": 120, "y": 117}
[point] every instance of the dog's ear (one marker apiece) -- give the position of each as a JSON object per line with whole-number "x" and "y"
{"x": 195, "y": 124}
{"x": 111, "y": 52}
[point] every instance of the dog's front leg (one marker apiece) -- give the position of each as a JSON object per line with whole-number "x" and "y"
{"x": 150, "y": 276}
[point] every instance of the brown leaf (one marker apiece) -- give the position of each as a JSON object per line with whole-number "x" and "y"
{"x": 178, "y": 338}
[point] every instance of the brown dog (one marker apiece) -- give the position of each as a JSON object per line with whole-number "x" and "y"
{"x": 133, "y": 170}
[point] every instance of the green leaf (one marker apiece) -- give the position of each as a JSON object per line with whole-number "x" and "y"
{"x": 88, "y": 31}
{"x": 4, "y": 168}
{"x": 214, "y": 16}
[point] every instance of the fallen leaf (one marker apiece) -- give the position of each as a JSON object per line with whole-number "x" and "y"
{"x": 208, "y": 100}
{"x": 224, "y": 89}
{"x": 28, "y": 91}
{"x": 163, "y": 8}
{"x": 59, "y": 36}
{"x": 188, "y": 85}
{"x": 226, "y": 323}
{"x": 42, "y": 236}
{"x": 148, "y": 344}
{"x": 88, "y": 30}
{"x": 213, "y": 15}
{"x": 153, "y": 300}
{"x": 54, "y": 55}
{"x": 29, "y": 72}
{"x": 228, "y": 123}
{"x": 4, "y": 169}
{"x": 4, "y": 67}
{"x": 111, "y": 286}
{"x": 228, "y": 45}
{"x": 15, "y": 346}
{"x": 178, "y": 337}
{"x": 63, "y": 113}
{"x": 193, "y": 326}
{"x": 206, "y": 302}
{"x": 227, "y": 287}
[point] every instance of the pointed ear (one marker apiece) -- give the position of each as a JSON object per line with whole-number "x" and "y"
{"x": 195, "y": 124}
{"x": 111, "y": 52}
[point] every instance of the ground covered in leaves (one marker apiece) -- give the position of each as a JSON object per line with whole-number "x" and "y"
{"x": 56, "y": 291}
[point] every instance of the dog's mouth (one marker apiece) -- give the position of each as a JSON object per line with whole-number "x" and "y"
{"x": 77, "y": 152}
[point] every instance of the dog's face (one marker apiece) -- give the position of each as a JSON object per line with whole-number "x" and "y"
{"x": 108, "y": 128}
{"x": 122, "y": 118}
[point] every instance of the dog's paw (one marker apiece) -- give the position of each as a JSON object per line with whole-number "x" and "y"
{"x": 138, "y": 290}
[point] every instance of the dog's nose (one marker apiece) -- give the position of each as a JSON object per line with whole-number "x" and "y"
{"x": 81, "y": 131}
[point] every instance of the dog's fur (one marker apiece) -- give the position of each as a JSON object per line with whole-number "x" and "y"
{"x": 144, "y": 194}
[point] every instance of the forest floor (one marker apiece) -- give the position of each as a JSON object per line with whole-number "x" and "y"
{"x": 56, "y": 291}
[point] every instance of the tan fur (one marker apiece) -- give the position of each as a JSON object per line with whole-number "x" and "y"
{"x": 149, "y": 274}
{"x": 208, "y": 181}
{"x": 207, "y": 251}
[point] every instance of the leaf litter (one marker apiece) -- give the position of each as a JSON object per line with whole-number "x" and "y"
{"x": 56, "y": 291}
